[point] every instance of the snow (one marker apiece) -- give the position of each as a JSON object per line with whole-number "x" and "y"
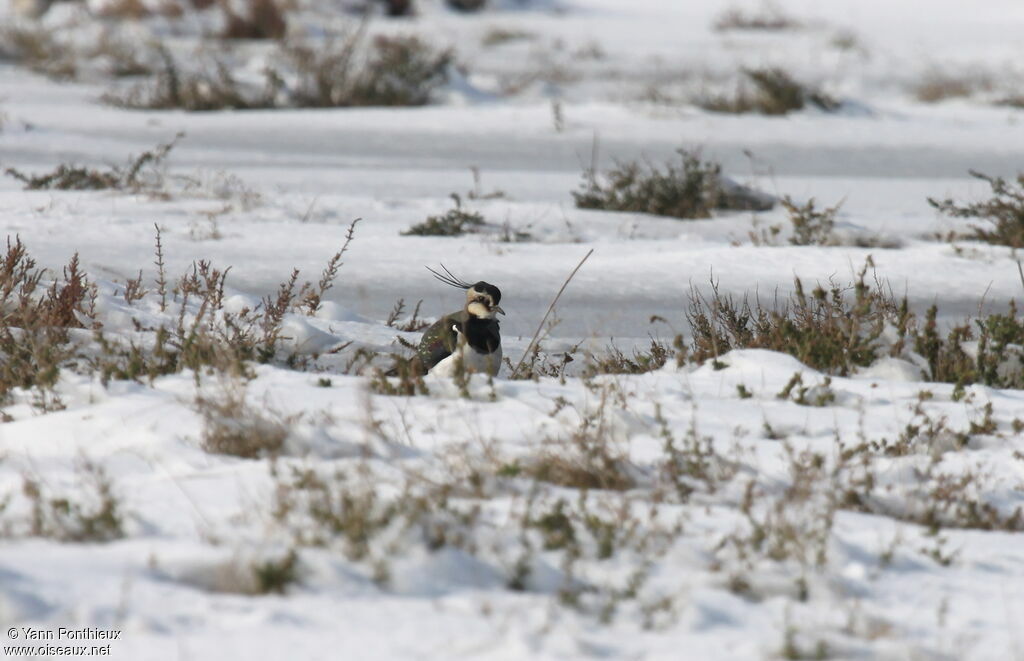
{"x": 268, "y": 191}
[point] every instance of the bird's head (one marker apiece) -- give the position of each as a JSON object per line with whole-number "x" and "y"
{"x": 482, "y": 300}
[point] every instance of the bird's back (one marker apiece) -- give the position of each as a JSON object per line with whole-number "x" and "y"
{"x": 439, "y": 340}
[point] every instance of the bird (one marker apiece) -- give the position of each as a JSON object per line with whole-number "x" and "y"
{"x": 470, "y": 337}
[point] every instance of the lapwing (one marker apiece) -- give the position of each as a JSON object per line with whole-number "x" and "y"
{"x": 470, "y": 336}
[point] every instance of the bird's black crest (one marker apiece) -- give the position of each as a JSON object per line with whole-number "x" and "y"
{"x": 488, "y": 288}
{"x": 449, "y": 278}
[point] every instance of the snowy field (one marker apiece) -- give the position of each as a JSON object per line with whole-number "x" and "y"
{"x": 746, "y": 506}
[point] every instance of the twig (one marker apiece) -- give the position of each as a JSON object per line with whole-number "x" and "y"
{"x": 1020, "y": 270}
{"x": 161, "y": 274}
{"x": 551, "y": 307}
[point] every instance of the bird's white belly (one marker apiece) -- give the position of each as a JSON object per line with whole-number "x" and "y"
{"x": 483, "y": 363}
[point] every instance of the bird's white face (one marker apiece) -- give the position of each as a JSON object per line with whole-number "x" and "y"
{"x": 481, "y": 305}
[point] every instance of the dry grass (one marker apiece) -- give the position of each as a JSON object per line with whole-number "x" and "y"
{"x": 262, "y": 19}
{"x": 37, "y": 48}
{"x": 91, "y": 514}
{"x": 498, "y": 36}
{"x": 341, "y": 72}
{"x": 768, "y": 18}
{"x": 770, "y": 91}
{"x": 590, "y": 457}
{"x": 34, "y": 333}
{"x": 1003, "y": 212}
{"x": 205, "y": 336}
{"x": 941, "y": 85}
{"x": 233, "y": 427}
{"x": 141, "y": 173}
{"x": 390, "y": 71}
{"x": 640, "y": 361}
{"x": 1012, "y": 101}
{"x": 825, "y": 330}
{"x": 839, "y": 329}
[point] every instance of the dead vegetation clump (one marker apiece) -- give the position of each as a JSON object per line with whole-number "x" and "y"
{"x": 834, "y": 332}
{"x": 390, "y": 71}
{"x": 250, "y": 573}
{"x": 788, "y": 525}
{"x": 142, "y": 173}
{"x": 37, "y": 48}
{"x": 92, "y": 514}
{"x": 939, "y": 85}
{"x": 640, "y": 361}
{"x": 261, "y": 19}
{"x": 824, "y": 329}
{"x": 210, "y": 85}
{"x": 775, "y": 92}
{"x": 47, "y": 328}
{"x": 769, "y": 18}
{"x": 35, "y": 330}
{"x": 692, "y": 189}
{"x": 1003, "y": 212}
{"x": 378, "y": 523}
{"x": 233, "y": 427}
{"x": 498, "y": 36}
{"x": 931, "y": 497}
{"x": 370, "y": 522}
{"x": 404, "y": 379}
{"x": 341, "y": 72}
{"x": 467, "y": 6}
{"x": 1012, "y": 101}
{"x": 134, "y": 10}
{"x": 590, "y": 457}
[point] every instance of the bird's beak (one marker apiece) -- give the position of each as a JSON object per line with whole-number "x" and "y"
{"x": 497, "y": 308}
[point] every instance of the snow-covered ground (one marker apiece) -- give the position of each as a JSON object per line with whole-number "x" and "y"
{"x": 759, "y": 556}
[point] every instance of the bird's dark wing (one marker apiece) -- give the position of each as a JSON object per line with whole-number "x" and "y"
{"x": 439, "y": 340}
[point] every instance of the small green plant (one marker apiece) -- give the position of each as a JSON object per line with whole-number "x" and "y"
{"x": 1003, "y": 212}
{"x": 811, "y": 227}
{"x": 819, "y": 395}
{"x": 455, "y": 222}
{"x": 275, "y": 575}
{"x": 691, "y": 189}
